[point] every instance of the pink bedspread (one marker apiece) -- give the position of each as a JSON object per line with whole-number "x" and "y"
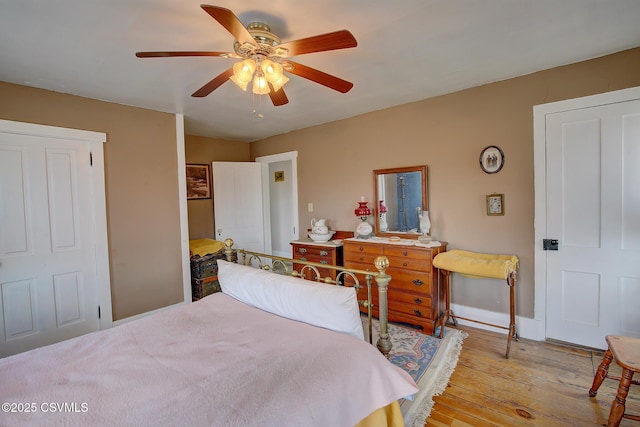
{"x": 216, "y": 362}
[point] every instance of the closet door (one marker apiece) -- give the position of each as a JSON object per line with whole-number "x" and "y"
{"x": 593, "y": 188}
{"x": 51, "y": 280}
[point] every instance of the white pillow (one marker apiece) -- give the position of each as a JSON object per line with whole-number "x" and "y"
{"x": 328, "y": 306}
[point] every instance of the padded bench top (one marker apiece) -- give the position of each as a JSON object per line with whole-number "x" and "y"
{"x": 476, "y": 264}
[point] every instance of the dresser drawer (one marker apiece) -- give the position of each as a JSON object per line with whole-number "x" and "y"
{"x": 410, "y": 263}
{"x": 322, "y": 259}
{"x": 412, "y": 281}
{"x": 366, "y": 259}
{"x": 316, "y": 251}
{"x": 404, "y": 252}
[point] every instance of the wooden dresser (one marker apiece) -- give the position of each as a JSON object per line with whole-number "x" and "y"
{"x": 416, "y": 293}
{"x": 329, "y": 253}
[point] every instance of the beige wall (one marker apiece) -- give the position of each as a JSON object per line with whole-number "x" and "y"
{"x": 202, "y": 150}
{"x": 141, "y": 190}
{"x": 447, "y": 133}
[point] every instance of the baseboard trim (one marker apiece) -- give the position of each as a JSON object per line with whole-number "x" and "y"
{"x": 147, "y": 313}
{"x": 526, "y": 327}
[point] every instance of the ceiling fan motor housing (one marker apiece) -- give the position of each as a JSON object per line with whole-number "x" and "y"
{"x": 267, "y": 43}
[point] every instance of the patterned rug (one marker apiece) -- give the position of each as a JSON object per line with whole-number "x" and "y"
{"x": 430, "y": 362}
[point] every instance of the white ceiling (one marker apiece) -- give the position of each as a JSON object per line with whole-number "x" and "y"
{"x": 407, "y": 50}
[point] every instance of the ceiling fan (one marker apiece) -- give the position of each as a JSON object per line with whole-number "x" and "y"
{"x": 263, "y": 57}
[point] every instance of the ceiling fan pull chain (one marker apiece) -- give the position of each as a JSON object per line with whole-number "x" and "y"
{"x": 259, "y": 111}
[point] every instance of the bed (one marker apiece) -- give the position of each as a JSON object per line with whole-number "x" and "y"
{"x": 269, "y": 350}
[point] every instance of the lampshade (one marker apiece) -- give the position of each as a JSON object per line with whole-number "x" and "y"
{"x": 243, "y": 73}
{"x": 280, "y": 82}
{"x": 260, "y": 85}
{"x": 272, "y": 70}
{"x": 362, "y": 210}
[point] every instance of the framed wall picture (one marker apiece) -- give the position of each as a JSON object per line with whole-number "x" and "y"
{"x": 198, "y": 182}
{"x": 491, "y": 159}
{"x": 495, "y": 204}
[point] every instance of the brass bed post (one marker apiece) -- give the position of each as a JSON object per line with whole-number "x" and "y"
{"x": 382, "y": 279}
{"x": 228, "y": 249}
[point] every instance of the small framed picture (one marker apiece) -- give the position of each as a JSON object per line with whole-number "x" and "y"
{"x": 491, "y": 159}
{"x": 278, "y": 176}
{"x": 198, "y": 182}
{"x": 495, "y": 204}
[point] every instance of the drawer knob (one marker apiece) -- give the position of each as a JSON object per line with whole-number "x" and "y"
{"x": 404, "y": 264}
{"x": 361, "y": 258}
{"x": 324, "y": 253}
{"x": 418, "y": 301}
{"x": 361, "y": 248}
{"x": 302, "y": 250}
{"x": 417, "y": 313}
{"x": 417, "y": 282}
{"x": 404, "y": 253}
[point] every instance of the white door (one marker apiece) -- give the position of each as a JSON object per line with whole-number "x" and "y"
{"x": 48, "y": 268}
{"x": 241, "y": 204}
{"x": 593, "y": 210}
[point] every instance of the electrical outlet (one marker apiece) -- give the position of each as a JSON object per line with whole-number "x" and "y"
{"x": 310, "y": 207}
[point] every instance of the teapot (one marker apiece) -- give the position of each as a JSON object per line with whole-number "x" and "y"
{"x": 319, "y": 226}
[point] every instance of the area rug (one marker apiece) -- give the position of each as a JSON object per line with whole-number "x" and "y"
{"x": 429, "y": 360}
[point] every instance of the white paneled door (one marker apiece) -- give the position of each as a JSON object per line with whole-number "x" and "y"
{"x": 241, "y": 204}
{"x": 48, "y": 269}
{"x": 593, "y": 210}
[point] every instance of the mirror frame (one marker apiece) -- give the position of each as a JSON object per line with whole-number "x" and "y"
{"x": 376, "y": 207}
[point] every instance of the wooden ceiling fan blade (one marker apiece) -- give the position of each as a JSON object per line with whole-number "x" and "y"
{"x": 213, "y": 84}
{"x": 230, "y": 22}
{"x": 278, "y": 98}
{"x": 181, "y": 53}
{"x": 342, "y": 39}
{"x": 318, "y": 76}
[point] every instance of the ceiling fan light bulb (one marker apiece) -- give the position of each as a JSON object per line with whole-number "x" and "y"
{"x": 243, "y": 71}
{"x": 260, "y": 85}
{"x": 272, "y": 70}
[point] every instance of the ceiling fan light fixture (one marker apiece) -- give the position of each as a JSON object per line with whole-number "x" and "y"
{"x": 260, "y": 85}
{"x": 272, "y": 70}
{"x": 241, "y": 84}
{"x": 243, "y": 73}
{"x": 274, "y": 73}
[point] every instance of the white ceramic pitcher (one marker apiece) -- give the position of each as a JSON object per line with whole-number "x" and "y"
{"x": 319, "y": 226}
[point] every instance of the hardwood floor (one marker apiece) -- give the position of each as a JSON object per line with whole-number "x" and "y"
{"x": 541, "y": 384}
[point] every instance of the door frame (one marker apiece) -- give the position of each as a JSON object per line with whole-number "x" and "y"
{"x": 540, "y": 185}
{"x": 291, "y": 156}
{"x": 96, "y": 141}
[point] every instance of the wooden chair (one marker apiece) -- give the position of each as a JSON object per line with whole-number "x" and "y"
{"x": 626, "y": 352}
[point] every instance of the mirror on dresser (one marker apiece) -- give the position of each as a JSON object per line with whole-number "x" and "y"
{"x": 401, "y": 197}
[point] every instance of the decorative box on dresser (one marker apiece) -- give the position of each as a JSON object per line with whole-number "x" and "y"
{"x": 416, "y": 292}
